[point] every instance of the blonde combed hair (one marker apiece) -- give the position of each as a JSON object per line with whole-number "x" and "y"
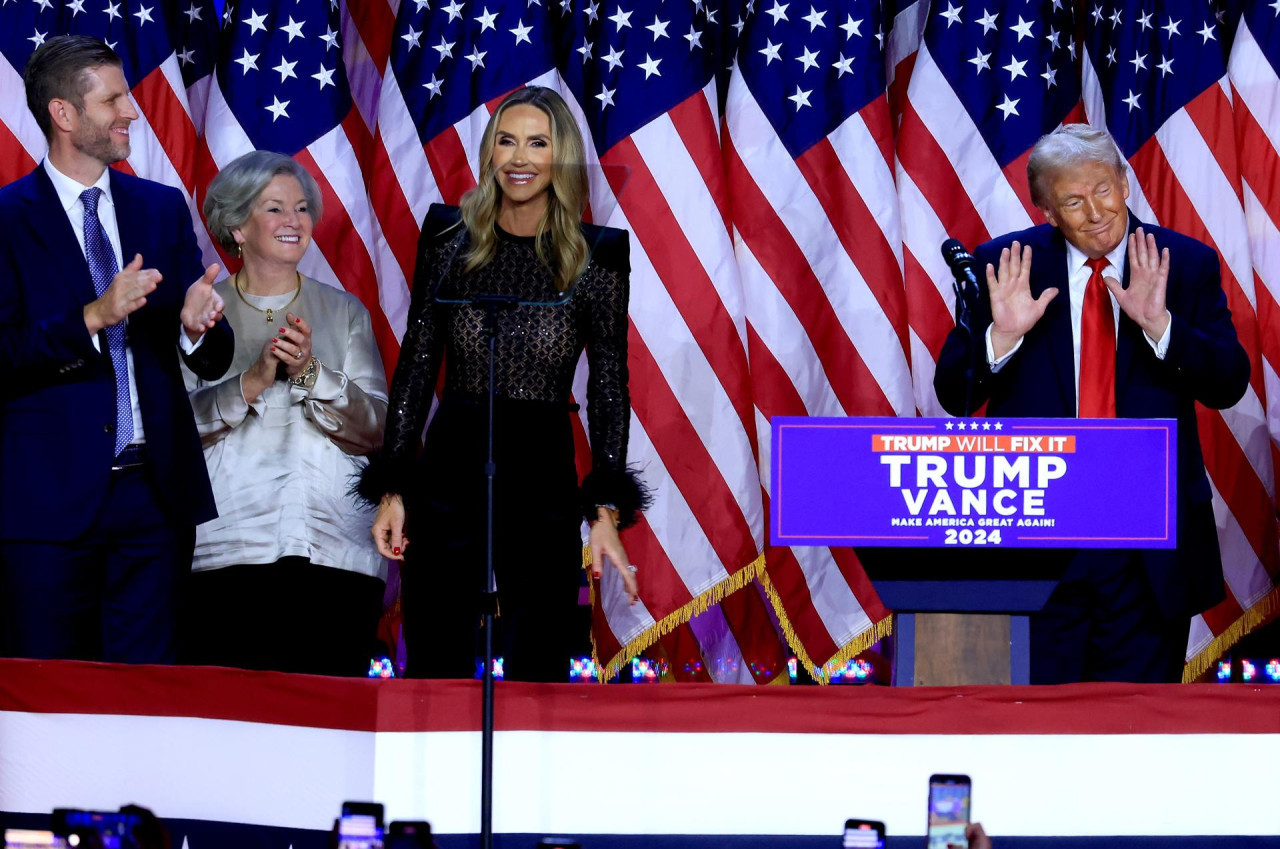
{"x": 558, "y": 239}
{"x": 1068, "y": 146}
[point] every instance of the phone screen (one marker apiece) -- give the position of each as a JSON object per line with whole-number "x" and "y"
{"x": 863, "y": 834}
{"x": 949, "y": 797}
{"x": 359, "y": 831}
{"x": 114, "y": 829}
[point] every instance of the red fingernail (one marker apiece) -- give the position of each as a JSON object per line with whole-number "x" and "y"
{"x": 297, "y": 321}
{"x": 395, "y": 550}
{"x": 282, "y": 331}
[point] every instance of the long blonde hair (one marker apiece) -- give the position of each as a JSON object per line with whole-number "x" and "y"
{"x": 558, "y": 239}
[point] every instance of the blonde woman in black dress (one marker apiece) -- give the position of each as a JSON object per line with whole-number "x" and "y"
{"x": 518, "y": 234}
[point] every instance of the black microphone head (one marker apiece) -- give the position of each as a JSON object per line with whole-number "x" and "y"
{"x": 955, "y": 254}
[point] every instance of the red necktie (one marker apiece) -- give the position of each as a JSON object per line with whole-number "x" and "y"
{"x": 1097, "y": 348}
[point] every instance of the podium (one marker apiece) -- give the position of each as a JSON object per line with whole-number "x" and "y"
{"x": 973, "y": 630}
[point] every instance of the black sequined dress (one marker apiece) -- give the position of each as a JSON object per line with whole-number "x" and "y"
{"x": 539, "y": 505}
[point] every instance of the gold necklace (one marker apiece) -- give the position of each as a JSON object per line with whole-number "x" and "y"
{"x": 270, "y": 313}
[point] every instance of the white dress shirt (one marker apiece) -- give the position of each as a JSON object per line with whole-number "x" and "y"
{"x": 69, "y": 191}
{"x": 1078, "y": 274}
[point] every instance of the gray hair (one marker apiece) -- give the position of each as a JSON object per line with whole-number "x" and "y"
{"x": 231, "y": 195}
{"x": 1067, "y": 146}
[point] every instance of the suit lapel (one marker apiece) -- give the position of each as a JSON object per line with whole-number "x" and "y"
{"x": 51, "y": 229}
{"x": 1057, "y": 317}
{"x": 132, "y": 234}
{"x": 1128, "y": 334}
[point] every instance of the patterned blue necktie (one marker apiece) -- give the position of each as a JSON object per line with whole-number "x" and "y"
{"x": 103, "y": 267}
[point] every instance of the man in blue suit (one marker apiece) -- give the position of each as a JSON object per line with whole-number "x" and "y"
{"x": 1117, "y": 318}
{"x": 102, "y": 480}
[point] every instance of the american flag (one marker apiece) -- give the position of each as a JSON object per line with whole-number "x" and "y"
{"x": 1254, "y": 73}
{"x": 280, "y": 83}
{"x": 787, "y": 171}
{"x": 989, "y": 79}
{"x": 808, "y": 149}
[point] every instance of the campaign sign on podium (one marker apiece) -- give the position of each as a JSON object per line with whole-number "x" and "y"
{"x": 974, "y": 483}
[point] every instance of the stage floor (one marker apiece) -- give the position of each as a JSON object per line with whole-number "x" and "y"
{"x": 243, "y": 759}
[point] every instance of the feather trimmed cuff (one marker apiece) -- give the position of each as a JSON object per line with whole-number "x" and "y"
{"x": 382, "y": 476}
{"x": 622, "y": 488}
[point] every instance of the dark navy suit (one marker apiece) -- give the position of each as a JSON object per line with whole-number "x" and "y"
{"x": 58, "y": 495}
{"x": 1204, "y": 363}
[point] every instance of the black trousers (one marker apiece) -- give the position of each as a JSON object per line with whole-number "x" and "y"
{"x": 538, "y": 545}
{"x": 1102, "y": 623}
{"x": 287, "y": 616}
{"x": 112, "y": 595}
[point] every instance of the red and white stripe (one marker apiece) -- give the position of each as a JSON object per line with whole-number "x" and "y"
{"x": 818, "y": 246}
{"x": 693, "y": 433}
{"x": 286, "y": 751}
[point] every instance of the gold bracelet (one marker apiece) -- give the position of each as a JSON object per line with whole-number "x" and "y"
{"x": 307, "y": 379}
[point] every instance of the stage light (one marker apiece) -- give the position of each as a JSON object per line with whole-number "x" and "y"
{"x": 852, "y": 672}
{"x": 1248, "y": 671}
{"x": 1224, "y": 672}
{"x": 793, "y": 668}
{"x": 382, "y": 667}
{"x": 582, "y": 669}
{"x": 1258, "y": 670}
{"x": 644, "y": 671}
{"x": 763, "y": 672}
{"x": 497, "y": 669}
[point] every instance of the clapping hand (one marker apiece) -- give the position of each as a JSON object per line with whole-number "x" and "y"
{"x": 202, "y": 307}
{"x": 125, "y": 295}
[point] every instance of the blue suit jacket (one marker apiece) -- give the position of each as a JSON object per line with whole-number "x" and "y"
{"x": 57, "y": 392}
{"x": 1204, "y": 363}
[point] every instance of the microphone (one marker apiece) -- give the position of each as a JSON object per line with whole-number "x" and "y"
{"x": 963, "y": 268}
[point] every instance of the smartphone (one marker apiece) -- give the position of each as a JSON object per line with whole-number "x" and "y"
{"x": 360, "y": 826}
{"x": 949, "y": 798}
{"x": 108, "y": 829}
{"x": 863, "y": 834}
{"x": 409, "y": 834}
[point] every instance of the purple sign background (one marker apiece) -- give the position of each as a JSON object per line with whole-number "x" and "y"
{"x": 1012, "y": 483}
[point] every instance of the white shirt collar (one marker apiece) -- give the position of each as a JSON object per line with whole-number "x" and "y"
{"x": 69, "y": 190}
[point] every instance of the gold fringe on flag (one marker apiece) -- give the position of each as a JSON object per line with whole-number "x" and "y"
{"x": 1258, "y": 614}
{"x": 672, "y": 620}
{"x": 865, "y": 640}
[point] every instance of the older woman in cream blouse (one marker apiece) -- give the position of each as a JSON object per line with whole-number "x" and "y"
{"x": 286, "y": 577}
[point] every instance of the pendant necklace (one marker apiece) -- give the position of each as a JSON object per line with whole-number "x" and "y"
{"x": 270, "y": 313}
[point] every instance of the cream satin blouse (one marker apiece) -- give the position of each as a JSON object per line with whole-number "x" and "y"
{"x": 282, "y": 466}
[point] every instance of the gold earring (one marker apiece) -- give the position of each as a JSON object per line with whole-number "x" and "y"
{"x": 236, "y": 250}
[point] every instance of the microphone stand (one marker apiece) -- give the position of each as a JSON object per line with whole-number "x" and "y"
{"x": 964, "y": 317}
{"x": 492, "y": 305}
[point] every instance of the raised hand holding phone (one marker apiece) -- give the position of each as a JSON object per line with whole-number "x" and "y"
{"x": 949, "y": 802}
